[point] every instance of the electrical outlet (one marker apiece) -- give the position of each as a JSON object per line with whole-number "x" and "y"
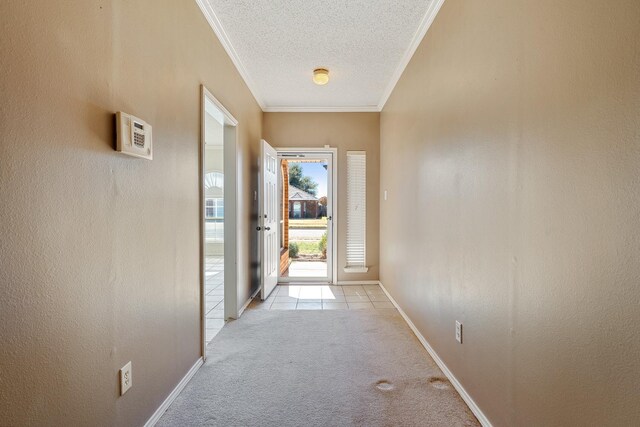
{"x": 459, "y": 332}
{"x": 125, "y": 378}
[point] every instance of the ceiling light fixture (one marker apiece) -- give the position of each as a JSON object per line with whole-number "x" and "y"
{"x": 321, "y": 76}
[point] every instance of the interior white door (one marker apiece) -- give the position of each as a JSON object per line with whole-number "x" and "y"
{"x": 268, "y": 223}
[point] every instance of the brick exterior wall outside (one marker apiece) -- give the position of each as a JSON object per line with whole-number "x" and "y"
{"x": 309, "y": 208}
{"x": 284, "y": 255}
{"x": 285, "y": 201}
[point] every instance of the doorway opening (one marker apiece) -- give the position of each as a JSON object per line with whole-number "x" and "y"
{"x": 218, "y": 223}
{"x": 306, "y": 224}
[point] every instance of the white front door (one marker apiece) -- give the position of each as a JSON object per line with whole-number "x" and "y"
{"x": 268, "y": 221}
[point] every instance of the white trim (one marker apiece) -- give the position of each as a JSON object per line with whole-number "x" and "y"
{"x": 304, "y": 281}
{"x": 232, "y": 227}
{"x": 333, "y": 274}
{"x": 230, "y": 224}
{"x": 326, "y": 149}
{"x": 201, "y": 222}
{"x": 216, "y": 25}
{"x": 463, "y": 393}
{"x": 356, "y": 269}
{"x": 246, "y": 304}
{"x": 299, "y": 282}
{"x": 228, "y": 117}
{"x": 427, "y": 20}
{"x": 172, "y": 396}
{"x": 334, "y": 215}
{"x": 351, "y": 109}
{"x": 357, "y": 282}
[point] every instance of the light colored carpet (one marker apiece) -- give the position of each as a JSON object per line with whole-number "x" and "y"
{"x": 318, "y": 368}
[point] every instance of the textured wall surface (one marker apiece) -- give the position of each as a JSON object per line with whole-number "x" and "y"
{"x": 99, "y": 251}
{"x": 511, "y": 153}
{"x": 344, "y": 131}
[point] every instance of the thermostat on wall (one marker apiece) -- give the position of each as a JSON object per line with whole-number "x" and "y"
{"x": 134, "y": 136}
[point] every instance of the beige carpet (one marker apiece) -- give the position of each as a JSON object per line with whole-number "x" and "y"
{"x": 318, "y": 368}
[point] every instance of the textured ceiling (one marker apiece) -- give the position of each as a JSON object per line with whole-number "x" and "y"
{"x": 276, "y": 44}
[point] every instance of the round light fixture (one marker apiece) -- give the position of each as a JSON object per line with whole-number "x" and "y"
{"x": 321, "y": 76}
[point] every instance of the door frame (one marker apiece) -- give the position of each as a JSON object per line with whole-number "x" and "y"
{"x": 230, "y": 209}
{"x": 333, "y": 273}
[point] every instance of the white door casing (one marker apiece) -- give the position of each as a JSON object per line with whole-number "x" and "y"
{"x": 210, "y": 105}
{"x": 329, "y": 155}
{"x": 268, "y": 221}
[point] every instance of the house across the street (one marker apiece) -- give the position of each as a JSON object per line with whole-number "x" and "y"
{"x": 303, "y": 204}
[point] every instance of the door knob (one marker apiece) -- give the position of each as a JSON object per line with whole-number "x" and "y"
{"x": 258, "y": 228}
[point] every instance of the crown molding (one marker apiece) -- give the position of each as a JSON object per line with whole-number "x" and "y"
{"x": 353, "y": 109}
{"x": 427, "y": 20}
{"x": 216, "y": 25}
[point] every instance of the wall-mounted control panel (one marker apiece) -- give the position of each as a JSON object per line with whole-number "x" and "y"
{"x": 133, "y": 136}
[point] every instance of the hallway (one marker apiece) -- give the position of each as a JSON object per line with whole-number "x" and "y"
{"x": 456, "y": 183}
{"x": 318, "y": 368}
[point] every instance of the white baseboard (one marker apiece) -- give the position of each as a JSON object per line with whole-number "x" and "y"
{"x": 246, "y": 304}
{"x": 305, "y": 283}
{"x": 172, "y": 396}
{"x": 356, "y": 282}
{"x": 463, "y": 393}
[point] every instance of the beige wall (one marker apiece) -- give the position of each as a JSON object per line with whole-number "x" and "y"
{"x": 99, "y": 252}
{"x": 514, "y": 136}
{"x": 346, "y": 132}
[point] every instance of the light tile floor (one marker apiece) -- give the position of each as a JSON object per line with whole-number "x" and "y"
{"x": 306, "y": 269}
{"x": 214, "y": 296}
{"x": 324, "y": 297}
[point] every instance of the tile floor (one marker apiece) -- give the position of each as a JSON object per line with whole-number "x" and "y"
{"x": 306, "y": 269}
{"x": 325, "y": 297}
{"x": 214, "y": 295}
{"x": 289, "y": 297}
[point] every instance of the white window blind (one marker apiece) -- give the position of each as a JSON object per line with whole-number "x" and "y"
{"x": 356, "y": 211}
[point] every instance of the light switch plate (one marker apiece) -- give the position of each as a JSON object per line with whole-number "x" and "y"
{"x": 459, "y": 332}
{"x": 125, "y": 378}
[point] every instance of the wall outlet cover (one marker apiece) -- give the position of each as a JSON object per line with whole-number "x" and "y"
{"x": 125, "y": 378}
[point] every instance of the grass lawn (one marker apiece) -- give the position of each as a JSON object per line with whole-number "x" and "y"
{"x": 308, "y": 223}
{"x": 308, "y": 248}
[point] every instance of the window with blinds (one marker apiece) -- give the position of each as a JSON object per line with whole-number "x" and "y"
{"x": 356, "y": 211}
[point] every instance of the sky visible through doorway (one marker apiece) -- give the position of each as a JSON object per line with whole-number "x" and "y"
{"x": 318, "y": 173}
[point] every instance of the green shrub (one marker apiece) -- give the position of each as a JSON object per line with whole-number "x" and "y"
{"x": 293, "y": 250}
{"x": 323, "y": 245}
